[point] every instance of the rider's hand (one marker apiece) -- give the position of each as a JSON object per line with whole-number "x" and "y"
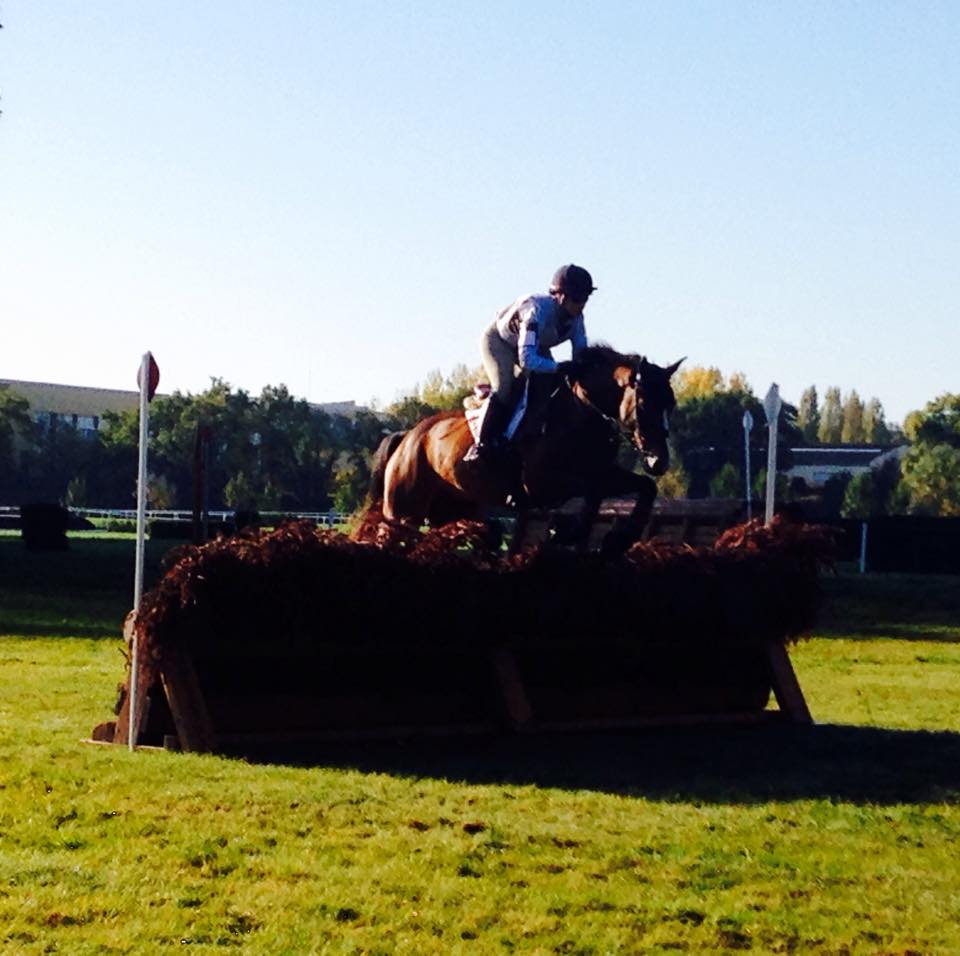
{"x": 565, "y": 369}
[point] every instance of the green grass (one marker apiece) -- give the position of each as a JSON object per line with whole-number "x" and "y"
{"x": 836, "y": 839}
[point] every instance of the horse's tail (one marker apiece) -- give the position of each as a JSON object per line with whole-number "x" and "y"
{"x": 371, "y": 514}
{"x": 378, "y": 466}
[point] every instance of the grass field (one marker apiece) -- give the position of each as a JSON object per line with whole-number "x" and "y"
{"x": 836, "y": 839}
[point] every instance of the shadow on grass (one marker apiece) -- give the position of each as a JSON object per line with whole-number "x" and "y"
{"x": 85, "y": 591}
{"x": 720, "y": 765}
{"x": 909, "y": 607}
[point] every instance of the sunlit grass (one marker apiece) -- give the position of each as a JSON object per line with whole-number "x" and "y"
{"x": 106, "y": 851}
{"x": 836, "y": 839}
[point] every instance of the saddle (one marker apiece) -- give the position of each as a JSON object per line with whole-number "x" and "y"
{"x": 475, "y": 407}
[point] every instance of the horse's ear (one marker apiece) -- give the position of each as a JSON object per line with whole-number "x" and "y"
{"x": 670, "y": 369}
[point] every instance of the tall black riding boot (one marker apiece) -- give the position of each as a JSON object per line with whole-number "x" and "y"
{"x": 495, "y": 420}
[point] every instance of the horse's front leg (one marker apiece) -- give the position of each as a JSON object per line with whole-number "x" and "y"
{"x": 626, "y": 531}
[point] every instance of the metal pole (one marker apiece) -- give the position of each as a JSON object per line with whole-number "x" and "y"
{"x": 141, "y": 535}
{"x": 771, "y": 406}
{"x": 747, "y": 426}
{"x": 863, "y": 547}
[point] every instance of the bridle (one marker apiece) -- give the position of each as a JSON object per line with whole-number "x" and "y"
{"x": 611, "y": 421}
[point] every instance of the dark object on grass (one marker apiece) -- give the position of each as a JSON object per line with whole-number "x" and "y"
{"x": 43, "y": 526}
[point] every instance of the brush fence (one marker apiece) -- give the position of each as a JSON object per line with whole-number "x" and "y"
{"x": 298, "y": 636}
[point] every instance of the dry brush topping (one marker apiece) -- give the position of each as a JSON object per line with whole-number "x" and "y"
{"x": 299, "y": 585}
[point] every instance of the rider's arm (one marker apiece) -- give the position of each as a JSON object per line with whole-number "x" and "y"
{"x": 578, "y": 336}
{"x": 529, "y": 356}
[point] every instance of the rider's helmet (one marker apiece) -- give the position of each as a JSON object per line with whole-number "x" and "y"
{"x": 573, "y": 281}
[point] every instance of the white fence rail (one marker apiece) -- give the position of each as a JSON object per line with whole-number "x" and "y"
{"x": 326, "y": 518}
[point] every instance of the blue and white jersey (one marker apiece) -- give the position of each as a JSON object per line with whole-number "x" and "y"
{"x": 533, "y": 325}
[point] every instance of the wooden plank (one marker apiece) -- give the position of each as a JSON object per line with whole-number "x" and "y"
{"x": 186, "y": 701}
{"x": 512, "y": 690}
{"x": 146, "y": 676}
{"x": 786, "y": 687}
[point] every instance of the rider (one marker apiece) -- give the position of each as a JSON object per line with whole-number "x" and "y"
{"x": 521, "y": 336}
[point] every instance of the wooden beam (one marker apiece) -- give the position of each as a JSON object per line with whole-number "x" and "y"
{"x": 512, "y": 689}
{"x": 786, "y": 687}
{"x": 186, "y": 701}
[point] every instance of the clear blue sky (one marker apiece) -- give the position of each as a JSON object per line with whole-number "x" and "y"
{"x": 338, "y": 196}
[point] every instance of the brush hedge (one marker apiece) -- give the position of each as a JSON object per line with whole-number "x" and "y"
{"x": 299, "y": 585}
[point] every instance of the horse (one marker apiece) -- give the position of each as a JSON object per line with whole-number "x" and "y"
{"x": 567, "y": 448}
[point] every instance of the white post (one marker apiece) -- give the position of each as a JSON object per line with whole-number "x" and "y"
{"x": 747, "y": 428}
{"x": 144, "y": 379}
{"x": 863, "y": 547}
{"x": 771, "y": 406}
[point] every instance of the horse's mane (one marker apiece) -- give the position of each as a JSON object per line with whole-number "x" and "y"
{"x": 600, "y": 353}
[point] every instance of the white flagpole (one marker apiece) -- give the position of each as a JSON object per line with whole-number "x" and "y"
{"x": 141, "y": 535}
{"x": 771, "y": 406}
{"x": 748, "y": 492}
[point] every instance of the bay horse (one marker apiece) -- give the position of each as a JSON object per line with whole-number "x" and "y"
{"x": 567, "y": 448}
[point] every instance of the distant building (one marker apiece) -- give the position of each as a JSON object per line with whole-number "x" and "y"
{"x": 83, "y": 408}
{"x": 76, "y": 405}
{"x": 817, "y": 465}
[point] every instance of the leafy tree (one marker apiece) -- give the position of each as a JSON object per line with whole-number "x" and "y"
{"x": 939, "y": 422}
{"x": 57, "y": 456}
{"x": 831, "y": 418}
{"x": 780, "y": 490}
{"x": 697, "y": 381}
{"x": 350, "y": 480}
{"x": 708, "y": 433}
{"x": 675, "y": 483}
{"x": 875, "y": 429}
{"x": 406, "y": 412}
{"x": 448, "y": 392}
{"x": 851, "y": 431}
{"x": 931, "y": 477}
{"x": 930, "y": 481}
{"x": 239, "y": 493}
{"x": 859, "y": 500}
{"x": 808, "y": 415}
{"x": 727, "y": 482}
{"x": 834, "y": 491}
{"x": 17, "y": 434}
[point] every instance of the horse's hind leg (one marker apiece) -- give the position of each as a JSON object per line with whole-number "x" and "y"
{"x": 403, "y": 493}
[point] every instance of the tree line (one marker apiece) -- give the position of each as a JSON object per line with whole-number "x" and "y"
{"x": 275, "y": 452}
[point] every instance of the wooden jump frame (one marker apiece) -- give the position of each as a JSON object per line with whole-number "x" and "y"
{"x": 184, "y": 708}
{"x": 217, "y": 695}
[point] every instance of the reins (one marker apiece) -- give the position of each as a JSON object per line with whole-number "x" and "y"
{"x": 614, "y": 423}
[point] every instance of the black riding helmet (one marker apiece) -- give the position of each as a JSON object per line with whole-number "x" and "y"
{"x": 573, "y": 281}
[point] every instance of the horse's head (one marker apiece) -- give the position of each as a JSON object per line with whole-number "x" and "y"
{"x": 632, "y": 391}
{"x": 647, "y": 403}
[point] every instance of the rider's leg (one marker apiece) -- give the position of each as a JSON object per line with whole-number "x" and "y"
{"x": 498, "y": 363}
{"x": 496, "y": 417}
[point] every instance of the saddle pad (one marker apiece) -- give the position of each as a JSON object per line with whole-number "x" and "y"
{"x": 475, "y": 407}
